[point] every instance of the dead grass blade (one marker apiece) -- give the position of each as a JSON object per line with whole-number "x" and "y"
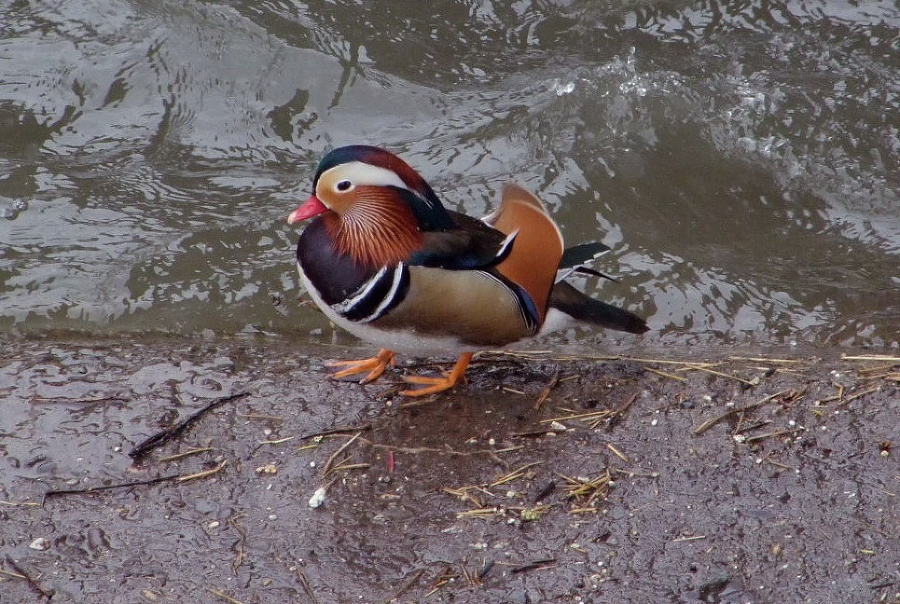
{"x": 715, "y": 420}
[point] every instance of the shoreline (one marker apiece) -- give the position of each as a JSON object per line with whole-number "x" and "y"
{"x": 551, "y": 479}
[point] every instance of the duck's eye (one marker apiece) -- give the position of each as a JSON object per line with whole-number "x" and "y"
{"x": 344, "y": 185}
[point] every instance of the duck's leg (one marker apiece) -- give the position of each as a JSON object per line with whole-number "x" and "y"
{"x": 374, "y": 365}
{"x": 439, "y": 384}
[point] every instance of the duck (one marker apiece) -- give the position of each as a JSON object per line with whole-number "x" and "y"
{"x": 385, "y": 260}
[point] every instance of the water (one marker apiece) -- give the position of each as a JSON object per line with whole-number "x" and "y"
{"x": 741, "y": 158}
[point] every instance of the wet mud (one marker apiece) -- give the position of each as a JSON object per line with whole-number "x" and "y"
{"x": 543, "y": 479}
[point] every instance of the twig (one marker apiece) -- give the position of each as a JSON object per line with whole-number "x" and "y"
{"x": 340, "y": 430}
{"x": 859, "y": 394}
{"x": 545, "y": 393}
{"x": 751, "y": 427}
{"x": 617, "y": 453}
{"x": 6, "y": 573}
{"x": 186, "y": 454}
{"x": 445, "y": 577}
{"x": 465, "y": 494}
{"x": 712, "y": 422}
{"x": 666, "y": 374}
{"x": 482, "y": 512}
{"x": 78, "y": 401}
{"x": 221, "y": 594}
{"x": 513, "y": 391}
{"x": 766, "y": 360}
{"x": 277, "y": 441}
{"x": 204, "y": 473}
{"x": 326, "y": 470}
{"x": 532, "y": 434}
{"x": 175, "y": 431}
{"x": 587, "y": 490}
{"x": 351, "y": 466}
{"x": 777, "y": 464}
{"x": 875, "y": 369}
{"x": 19, "y": 503}
{"x": 109, "y": 487}
{"x": 135, "y": 483}
{"x": 588, "y": 510}
{"x": 261, "y": 416}
{"x": 759, "y": 437}
{"x": 536, "y": 354}
{"x": 240, "y": 552}
{"x": 304, "y": 583}
{"x": 406, "y": 586}
{"x": 471, "y": 581}
{"x": 720, "y": 373}
{"x": 515, "y": 474}
{"x": 872, "y": 357}
{"x": 31, "y": 582}
{"x": 591, "y": 415}
{"x": 689, "y": 538}
{"x": 533, "y": 565}
{"x": 441, "y": 580}
{"x": 617, "y": 414}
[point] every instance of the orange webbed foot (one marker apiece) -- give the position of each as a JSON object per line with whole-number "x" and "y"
{"x": 374, "y": 365}
{"x": 439, "y": 384}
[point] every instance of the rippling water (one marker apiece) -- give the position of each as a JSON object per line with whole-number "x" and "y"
{"x": 741, "y": 158}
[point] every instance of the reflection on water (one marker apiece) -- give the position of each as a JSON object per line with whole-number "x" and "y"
{"x": 742, "y": 159}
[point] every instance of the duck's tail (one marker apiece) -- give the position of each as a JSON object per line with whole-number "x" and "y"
{"x": 580, "y": 307}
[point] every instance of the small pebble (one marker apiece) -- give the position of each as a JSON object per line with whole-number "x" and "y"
{"x": 40, "y": 544}
{"x": 318, "y": 498}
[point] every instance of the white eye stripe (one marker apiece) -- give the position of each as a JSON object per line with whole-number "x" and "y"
{"x": 362, "y": 174}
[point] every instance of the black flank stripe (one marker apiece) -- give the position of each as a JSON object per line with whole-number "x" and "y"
{"x": 366, "y": 307}
{"x": 400, "y": 293}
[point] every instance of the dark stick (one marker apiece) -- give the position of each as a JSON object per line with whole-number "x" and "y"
{"x": 31, "y": 582}
{"x": 533, "y": 565}
{"x": 176, "y": 430}
{"x": 341, "y": 430}
{"x": 109, "y": 487}
{"x": 548, "y": 488}
{"x": 304, "y": 583}
{"x": 406, "y": 586}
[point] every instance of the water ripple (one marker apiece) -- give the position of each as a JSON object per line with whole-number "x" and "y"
{"x": 741, "y": 158}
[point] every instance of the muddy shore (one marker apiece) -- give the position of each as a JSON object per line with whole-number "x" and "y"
{"x": 545, "y": 478}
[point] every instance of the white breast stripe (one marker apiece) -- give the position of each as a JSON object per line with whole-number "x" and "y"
{"x": 360, "y": 294}
{"x": 399, "y": 272}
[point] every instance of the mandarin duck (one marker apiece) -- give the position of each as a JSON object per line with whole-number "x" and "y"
{"x": 387, "y": 262}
